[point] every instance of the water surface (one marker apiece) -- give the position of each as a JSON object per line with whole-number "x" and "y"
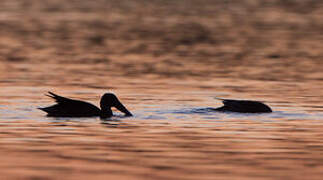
{"x": 172, "y": 134}
{"x": 166, "y": 61}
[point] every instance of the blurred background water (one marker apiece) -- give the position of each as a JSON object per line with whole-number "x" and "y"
{"x": 166, "y": 61}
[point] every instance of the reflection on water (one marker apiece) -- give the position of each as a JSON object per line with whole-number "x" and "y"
{"x": 166, "y": 60}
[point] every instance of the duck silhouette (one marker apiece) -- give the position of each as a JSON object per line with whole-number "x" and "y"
{"x": 67, "y": 107}
{"x": 243, "y": 106}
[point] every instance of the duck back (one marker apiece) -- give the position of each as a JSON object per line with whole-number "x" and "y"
{"x": 66, "y": 107}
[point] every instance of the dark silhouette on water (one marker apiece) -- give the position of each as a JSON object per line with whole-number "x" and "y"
{"x": 66, "y": 107}
{"x": 243, "y": 106}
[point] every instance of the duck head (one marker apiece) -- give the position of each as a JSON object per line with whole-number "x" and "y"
{"x": 109, "y": 100}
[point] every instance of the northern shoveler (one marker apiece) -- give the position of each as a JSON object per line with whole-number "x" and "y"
{"x": 66, "y": 107}
{"x": 243, "y": 106}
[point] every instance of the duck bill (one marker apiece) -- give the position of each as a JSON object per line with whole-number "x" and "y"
{"x": 123, "y": 109}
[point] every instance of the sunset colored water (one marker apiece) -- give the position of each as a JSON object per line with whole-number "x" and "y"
{"x": 166, "y": 61}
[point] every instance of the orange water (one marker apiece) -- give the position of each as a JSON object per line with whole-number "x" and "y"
{"x": 169, "y": 137}
{"x": 166, "y": 61}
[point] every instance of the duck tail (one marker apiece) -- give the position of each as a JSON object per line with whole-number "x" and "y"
{"x": 219, "y": 98}
{"x": 52, "y": 95}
